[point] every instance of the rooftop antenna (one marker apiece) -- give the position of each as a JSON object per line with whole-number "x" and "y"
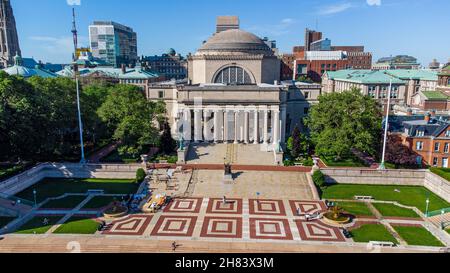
{"x": 75, "y": 73}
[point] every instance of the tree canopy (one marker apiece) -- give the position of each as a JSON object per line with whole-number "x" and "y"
{"x": 344, "y": 121}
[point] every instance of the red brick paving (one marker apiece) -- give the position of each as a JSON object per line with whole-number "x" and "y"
{"x": 139, "y": 225}
{"x": 307, "y": 207}
{"x": 258, "y": 228}
{"x": 234, "y": 227}
{"x": 187, "y": 225}
{"x": 194, "y": 205}
{"x": 258, "y": 207}
{"x": 318, "y": 231}
{"x": 216, "y": 206}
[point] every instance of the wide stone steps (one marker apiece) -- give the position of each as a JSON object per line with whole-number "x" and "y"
{"x": 439, "y": 219}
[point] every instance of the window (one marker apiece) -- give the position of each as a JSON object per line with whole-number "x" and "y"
{"x": 446, "y": 148}
{"x": 161, "y": 94}
{"x": 447, "y": 133}
{"x": 383, "y": 93}
{"x": 435, "y": 161}
{"x": 437, "y": 146}
{"x": 394, "y": 92}
{"x": 372, "y": 90}
{"x": 233, "y": 75}
{"x": 420, "y": 133}
{"x": 419, "y": 145}
{"x": 306, "y": 95}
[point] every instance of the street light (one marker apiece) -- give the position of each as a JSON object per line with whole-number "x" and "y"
{"x": 428, "y": 204}
{"x": 386, "y": 126}
{"x": 34, "y": 194}
{"x": 442, "y": 219}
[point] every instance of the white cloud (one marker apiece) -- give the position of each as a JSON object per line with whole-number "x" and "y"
{"x": 336, "y": 8}
{"x": 73, "y": 2}
{"x": 374, "y": 2}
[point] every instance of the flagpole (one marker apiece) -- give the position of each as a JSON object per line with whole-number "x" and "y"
{"x": 75, "y": 71}
{"x": 386, "y": 126}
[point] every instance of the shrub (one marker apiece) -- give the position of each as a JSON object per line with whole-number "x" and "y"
{"x": 319, "y": 179}
{"x": 140, "y": 175}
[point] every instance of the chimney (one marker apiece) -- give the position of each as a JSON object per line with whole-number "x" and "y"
{"x": 124, "y": 69}
{"x": 427, "y": 117}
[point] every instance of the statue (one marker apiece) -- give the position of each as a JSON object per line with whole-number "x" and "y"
{"x": 181, "y": 145}
{"x": 228, "y": 174}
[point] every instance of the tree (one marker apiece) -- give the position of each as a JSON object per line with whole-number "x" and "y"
{"x": 132, "y": 117}
{"x": 399, "y": 154}
{"x": 297, "y": 143}
{"x": 304, "y": 78}
{"x": 167, "y": 144}
{"x": 345, "y": 121}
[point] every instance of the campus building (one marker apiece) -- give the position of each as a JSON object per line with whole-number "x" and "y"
{"x": 170, "y": 65}
{"x": 9, "y": 41}
{"x": 234, "y": 94}
{"x": 113, "y": 43}
{"x": 397, "y": 62}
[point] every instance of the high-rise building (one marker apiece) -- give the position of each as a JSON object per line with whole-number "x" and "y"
{"x": 311, "y": 36}
{"x": 113, "y": 43}
{"x": 9, "y": 42}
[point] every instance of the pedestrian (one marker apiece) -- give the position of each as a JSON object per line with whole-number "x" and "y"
{"x": 174, "y": 246}
{"x": 298, "y": 211}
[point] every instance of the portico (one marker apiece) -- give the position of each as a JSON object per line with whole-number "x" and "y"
{"x": 251, "y": 124}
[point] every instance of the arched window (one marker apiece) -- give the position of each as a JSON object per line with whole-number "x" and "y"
{"x": 233, "y": 75}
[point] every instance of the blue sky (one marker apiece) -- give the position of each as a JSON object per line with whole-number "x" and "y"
{"x": 385, "y": 27}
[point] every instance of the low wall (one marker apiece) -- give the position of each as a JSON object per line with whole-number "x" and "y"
{"x": 424, "y": 178}
{"x": 366, "y": 176}
{"x": 438, "y": 185}
{"x": 28, "y": 178}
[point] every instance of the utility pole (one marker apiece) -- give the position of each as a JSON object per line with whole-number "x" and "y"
{"x": 386, "y": 126}
{"x": 75, "y": 72}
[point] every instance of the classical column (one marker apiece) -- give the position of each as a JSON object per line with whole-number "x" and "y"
{"x": 216, "y": 125}
{"x": 283, "y": 125}
{"x": 187, "y": 125}
{"x": 246, "y": 127}
{"x": 266, "y": 126}
{"x": 197, "y": 125}
{"x": 256, "y": 129}
{"x": 236, "y": 127}
{"x": 225, "y": 126}
{"x": 206, "y": 115}
{"x": 276, "y": 127}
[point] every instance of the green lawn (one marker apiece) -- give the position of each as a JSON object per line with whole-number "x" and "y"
{"x": 56, "y": 187}
{"x": 372, "y": 232}
{"x": 344, "y": 162}
{"x": 417, "y": 236}
{"x": 391, "y": 210}
{"x": 68, "y": 202}
{"x": 4, "y": 220}
{"x": 36, "y": 225}
{"x": 7, "y": 171}
{"x": 448, "y": 230}
{"x": 442, "y": 172}
{"x": 78, "y": 225}
{"x": 355, "y": 208}
{"x": 408, "y": 195}
{"x": 100, "y": 202}
{"x": 115, "y": 157}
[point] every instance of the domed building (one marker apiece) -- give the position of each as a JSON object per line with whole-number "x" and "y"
{"x": 233, "y": 94}
{"x": 18, "y": 69}
{"x": 241, "y": 55}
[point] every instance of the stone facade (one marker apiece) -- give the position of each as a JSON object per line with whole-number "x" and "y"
{"x": 9, "y": 41}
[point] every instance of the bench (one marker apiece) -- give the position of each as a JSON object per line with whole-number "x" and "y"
{"x": 362, "y": 197}
{"x": 382, "y": 244}
{"x": 95, "y": 192}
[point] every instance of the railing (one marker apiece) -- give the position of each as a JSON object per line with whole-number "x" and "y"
{"x": 438, "y": 212}
{"x": 17, "y": 199}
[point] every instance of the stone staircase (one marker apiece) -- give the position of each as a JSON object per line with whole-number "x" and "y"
{"x": 12, "y": 208}
{"x": 439, "y": 219}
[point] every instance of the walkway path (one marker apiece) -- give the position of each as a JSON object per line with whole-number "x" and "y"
{"x": 97, "y": 156}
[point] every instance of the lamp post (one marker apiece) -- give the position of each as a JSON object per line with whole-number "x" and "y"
{"x": 428, "y": 204}
{"x": 386, "y": 126}
{"x": 442, "y": 219}
{"x": 34, "y": 194}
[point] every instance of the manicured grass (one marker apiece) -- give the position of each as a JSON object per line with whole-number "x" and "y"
{"x": 68, "y": 202}
{"x": 78, "y": 225}
{"x": 115, "y": 157}
{"x": 100, "y": 202}
{"x": 4, "y": 220}
{"x": 56, "y": 187}
{"x": 408, "y": 195}
{"x": 448, "y": 230}
{"x": 36, "y": 225}
{"x": 394, "y": 211}
{"x": 355, "y": 208}
{"x": 372, "y": 232}
{"x": 344, "y": 162}
{"x": 442, "y": 172}
{"x": 417, "y": 236}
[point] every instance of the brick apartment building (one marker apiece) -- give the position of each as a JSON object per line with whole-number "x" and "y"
{"x": 429, "y": 137}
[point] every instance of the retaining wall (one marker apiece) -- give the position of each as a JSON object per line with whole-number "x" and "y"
{"x": 26, "y": 179}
